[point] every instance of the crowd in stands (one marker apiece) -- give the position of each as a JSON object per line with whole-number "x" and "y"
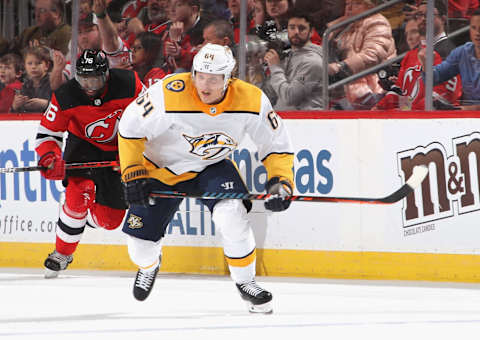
{"x": 284, "y": 49}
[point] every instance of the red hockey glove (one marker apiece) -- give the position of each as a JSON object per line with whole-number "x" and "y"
{"x": 279, "y": 189}
{"x": 54, "y": 164}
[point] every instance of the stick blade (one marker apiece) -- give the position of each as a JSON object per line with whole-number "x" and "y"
{"x": 418, "y": 175}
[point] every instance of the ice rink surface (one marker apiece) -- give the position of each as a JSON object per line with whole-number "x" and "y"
{"x": 100, "y": 305}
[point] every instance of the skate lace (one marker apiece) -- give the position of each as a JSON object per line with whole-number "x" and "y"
{"x": 251, "y": 288}
{"x": 144, "y": 280}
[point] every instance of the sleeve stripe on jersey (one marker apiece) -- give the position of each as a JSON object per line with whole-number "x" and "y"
{"x": 43, "y": 130}
{"x": 45, "y": 136}
{"x": 277, "y": 153}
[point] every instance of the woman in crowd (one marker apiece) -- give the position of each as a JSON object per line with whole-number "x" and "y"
{"x": 147, "y": 57}
{"x": 358, "y": 46}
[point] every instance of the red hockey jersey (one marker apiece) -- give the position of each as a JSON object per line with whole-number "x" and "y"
{"x": 94, "y": 120}
{"x": 411, "y": 84}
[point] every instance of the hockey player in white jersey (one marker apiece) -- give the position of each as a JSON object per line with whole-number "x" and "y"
{"x": 177, "y": 137}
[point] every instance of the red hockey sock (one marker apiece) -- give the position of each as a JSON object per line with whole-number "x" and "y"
{"x": 65, "y": 248}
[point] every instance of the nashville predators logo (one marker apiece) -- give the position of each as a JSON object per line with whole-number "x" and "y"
{"x": 176, "y": 85}
{"x": 135, "y": 222}
{"x": 212, "y": 145}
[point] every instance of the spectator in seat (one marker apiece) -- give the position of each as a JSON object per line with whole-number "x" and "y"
{"x": 50, "y": 28}
{"x": 464, "y": 61}
{"x": 358, "y": 46}
{"x": 94, "y": 34}
{"x": 295, "y": 82}
{"x": 36, "y": 92}
{"x": 408, "y": 93}
{"x": 234, "y": 7}
{"x": 155, "y": 19}
{"x": 412, "y": 34}
{"x": 441, "y": 43}
{"x": 147, "y": 58}
{"x": 86, "y": 7}
{"x": 184, "y": 34}
{"x": 11, "y": 72}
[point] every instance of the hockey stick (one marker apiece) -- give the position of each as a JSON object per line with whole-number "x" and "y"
{"x": 71, "y": 166}
{"x": 418, "y": 175}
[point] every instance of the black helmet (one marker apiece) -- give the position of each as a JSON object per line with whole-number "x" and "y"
{"x": 92, "y": 63}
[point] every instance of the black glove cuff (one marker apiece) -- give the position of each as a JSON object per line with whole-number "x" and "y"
{"x": 274, "y": 180}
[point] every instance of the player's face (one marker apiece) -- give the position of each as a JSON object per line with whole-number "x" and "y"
{"x": 475, "y": 30}
{"x": 91, "y": 84}
{"x": 7, "y": 74}
{"x": 209, "y": 87}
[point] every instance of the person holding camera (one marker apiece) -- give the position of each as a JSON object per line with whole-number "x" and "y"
{"x": 295, "y": 81}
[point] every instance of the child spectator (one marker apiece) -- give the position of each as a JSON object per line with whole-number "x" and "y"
{"x": 35, "y": 93}
{"x": 11, "y": 71}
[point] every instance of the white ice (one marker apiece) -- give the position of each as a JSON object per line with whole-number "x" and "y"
{"x": 100, "y": 305}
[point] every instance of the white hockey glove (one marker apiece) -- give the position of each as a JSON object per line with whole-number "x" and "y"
{"x": 279, "y": 189}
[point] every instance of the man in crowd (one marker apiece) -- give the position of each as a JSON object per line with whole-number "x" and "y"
{"x": 463, "y": 61}
{"x": 50, "y": 28}
{"x": 295, "y": 81}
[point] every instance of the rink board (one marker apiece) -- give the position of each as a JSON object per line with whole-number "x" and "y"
{"x": 432, "y": 235}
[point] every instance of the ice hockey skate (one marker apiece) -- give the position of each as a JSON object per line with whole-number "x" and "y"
{"x": 258, "y": 299}
{"x": 144, "y": 283}
{"x": 56, "y": 262}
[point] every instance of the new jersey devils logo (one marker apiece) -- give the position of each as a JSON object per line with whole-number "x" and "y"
{"x": 211, "y": 145}
{"x": 104, "y": 130}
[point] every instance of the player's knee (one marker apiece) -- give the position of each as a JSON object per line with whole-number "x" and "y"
{"x": 106, "y": 217}
{"x": 79, "y": 194}
{"x": 230, "y": 217}
{"x": 143, "y": 253}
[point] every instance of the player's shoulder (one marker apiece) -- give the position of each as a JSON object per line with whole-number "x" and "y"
{"x": 122, "y": 84}
{"x": 69, "y": 95}
{"x": 246, "y": 97}
{"x": 176, "y": 83}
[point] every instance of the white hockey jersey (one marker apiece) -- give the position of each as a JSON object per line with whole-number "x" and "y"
{"x": 171, "y": 132}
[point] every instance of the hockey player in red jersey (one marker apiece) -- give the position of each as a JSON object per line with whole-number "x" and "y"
{"x": 89, "y": 107}
{"x": 408, "y": 93}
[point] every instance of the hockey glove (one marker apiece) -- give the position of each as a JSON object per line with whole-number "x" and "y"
{"x": 279, "y": 189}
{"x": 136, "y": 185}
{"x": 54, "y": 164}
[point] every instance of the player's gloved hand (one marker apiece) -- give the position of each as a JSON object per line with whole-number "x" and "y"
{"x": 279, "y": 189}
{"x": 136, "y": 185}
{"x": 54, "y": 164}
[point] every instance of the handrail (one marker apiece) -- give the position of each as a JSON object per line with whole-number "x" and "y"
{"x": 384, "y": 64}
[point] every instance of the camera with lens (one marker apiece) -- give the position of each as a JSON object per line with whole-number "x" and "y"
{"x": 268, "y": 37}
{"x": 385, "y": 73}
